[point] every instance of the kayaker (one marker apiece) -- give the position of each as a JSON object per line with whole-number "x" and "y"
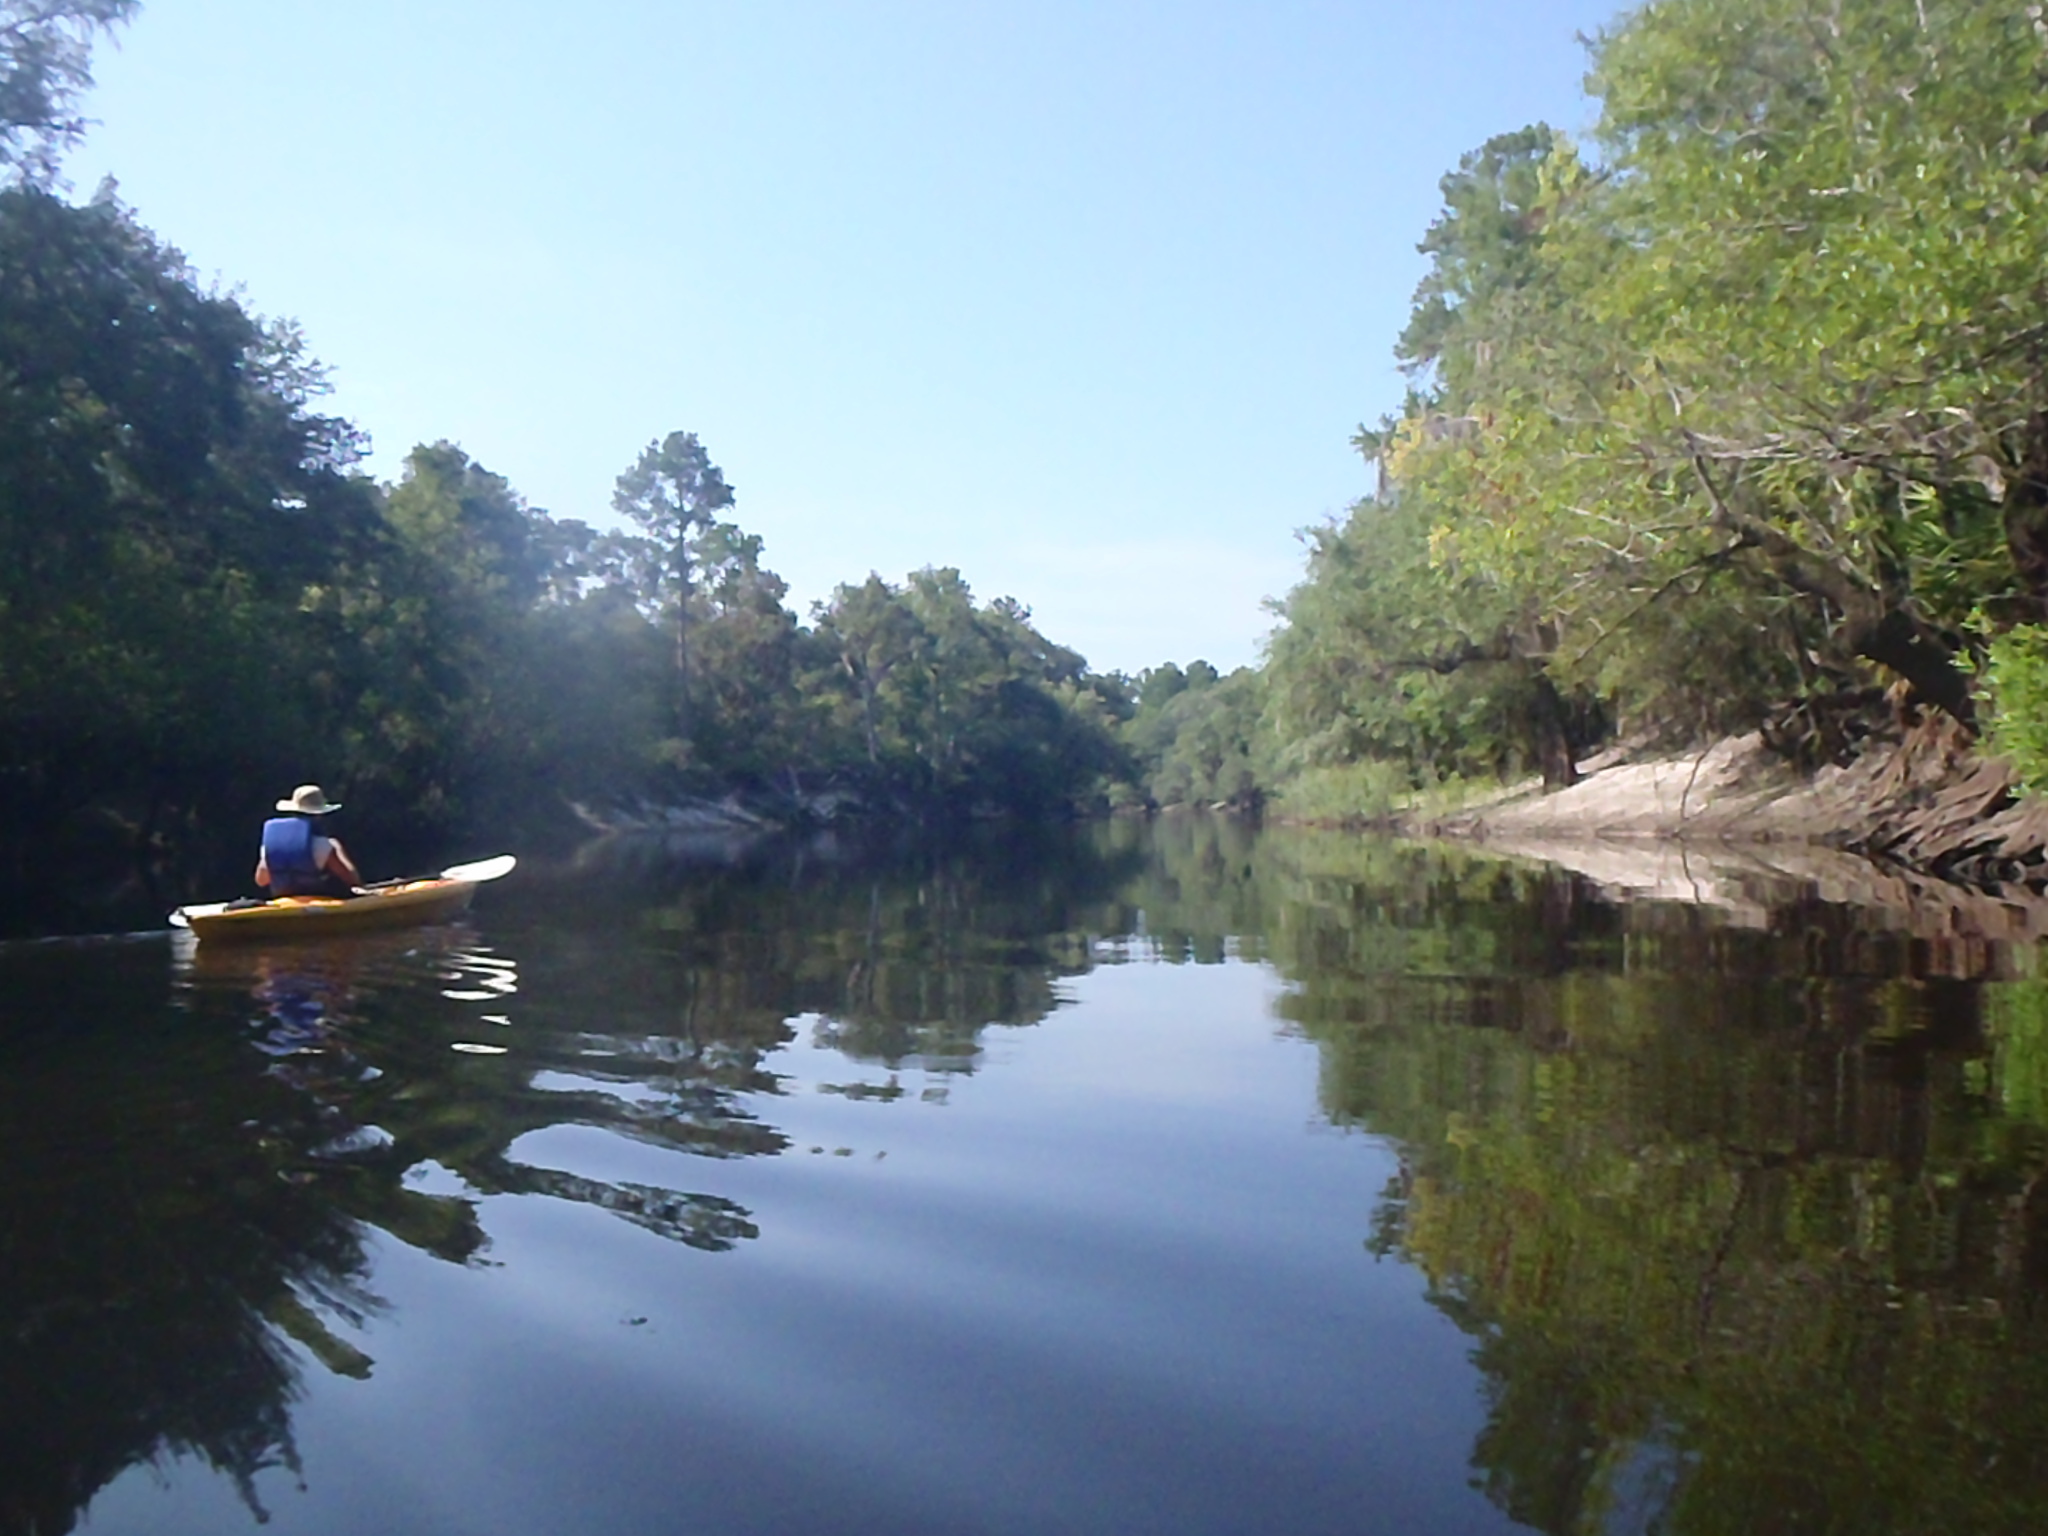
{"x": 297, "y": 857}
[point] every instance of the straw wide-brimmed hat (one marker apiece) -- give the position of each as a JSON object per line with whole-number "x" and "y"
{"x": 309, "y": 800}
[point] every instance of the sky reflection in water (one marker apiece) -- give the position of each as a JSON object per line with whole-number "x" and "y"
{"x": 946, "y": 1193}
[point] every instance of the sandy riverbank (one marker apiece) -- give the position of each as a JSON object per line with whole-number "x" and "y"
{"x": 1926, "y": 829}
{"x": 1929, "y": 803}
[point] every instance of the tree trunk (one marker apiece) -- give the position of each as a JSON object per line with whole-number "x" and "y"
{"x": 2026, "y": 520}
{"x": 1880, "y": 631}
{"x": 1548, "y": 715}
{"x": 683, "y": 666}
{"x": 865, "y": 686}
{"x": 1548, "y": 731}
{"x": 1876, "y": 627}
{"x": 1895, "y": 641}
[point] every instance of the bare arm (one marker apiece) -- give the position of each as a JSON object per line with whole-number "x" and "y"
{"x": 340, "y": 865}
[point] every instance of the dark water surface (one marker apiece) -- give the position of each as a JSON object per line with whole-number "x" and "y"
{"x": 1166, "y": 1179}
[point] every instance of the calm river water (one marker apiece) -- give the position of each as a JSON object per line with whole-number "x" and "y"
{"x": 1170, "y": 1179}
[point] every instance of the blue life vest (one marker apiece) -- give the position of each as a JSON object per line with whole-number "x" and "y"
{"x": 288, "y": 855}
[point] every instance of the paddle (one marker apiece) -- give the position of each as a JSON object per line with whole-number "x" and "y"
{"x": 477, "y": 873}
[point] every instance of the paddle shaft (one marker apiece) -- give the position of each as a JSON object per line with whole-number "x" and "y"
{"x": 481, "y": 870}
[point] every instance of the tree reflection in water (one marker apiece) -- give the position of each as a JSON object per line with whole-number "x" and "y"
{"x": 1747, "y": 1219}
{"x": 168, "y": 1226}
{"x": 198, "y": 1158}
{"x": 1749, "y": 1224}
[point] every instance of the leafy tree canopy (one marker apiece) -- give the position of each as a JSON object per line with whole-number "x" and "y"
{"x": 45, "y": 66}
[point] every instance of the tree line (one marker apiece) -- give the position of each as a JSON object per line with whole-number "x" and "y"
{"x": 1730, "y": 416}
{"x": 204, "y": 596}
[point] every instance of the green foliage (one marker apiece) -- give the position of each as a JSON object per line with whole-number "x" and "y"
{"x": 201, "y": 602}
{"x": 1397, "y": 649}
{"x": 1370, "y": 790}
{"x": 166, "y": 500}
{"x": 1216, "y": 751}
{"x": 45, "y": 66}
{"x": 2015, "y": 676}
{"x": 469, "y": 524}
{"x": 2016, "y": 1018}
{"x": 1199, "y": 738}
{"x": 1707, "y": 421}
{"x": 673, "y": 492}
{"x": 959, "y": 708}
{"x": 1483, "y": 256}
{"x": 1744, "y": 410}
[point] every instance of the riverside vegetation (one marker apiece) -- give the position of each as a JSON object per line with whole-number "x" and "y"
{"x": 1731, "y": 416}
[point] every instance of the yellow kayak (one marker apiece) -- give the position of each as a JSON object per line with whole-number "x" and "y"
{"x": 399, "y": 904}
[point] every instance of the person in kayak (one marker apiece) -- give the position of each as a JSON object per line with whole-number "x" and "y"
{"x": 297, "y": 857}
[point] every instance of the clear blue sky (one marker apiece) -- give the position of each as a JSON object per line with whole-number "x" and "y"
{"x": 1082, "y": 298}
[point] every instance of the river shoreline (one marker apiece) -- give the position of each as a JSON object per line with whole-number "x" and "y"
{"x": 1923, "y": 827}
{"x": 1929, "y": 802}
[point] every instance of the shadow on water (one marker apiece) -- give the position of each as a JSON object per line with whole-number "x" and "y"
{"x": 196, "y": 1155}
{"x": 1746, "y": 1219}
{"x": 199, "y": 1144}
{"x": 175, "y": 1211}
